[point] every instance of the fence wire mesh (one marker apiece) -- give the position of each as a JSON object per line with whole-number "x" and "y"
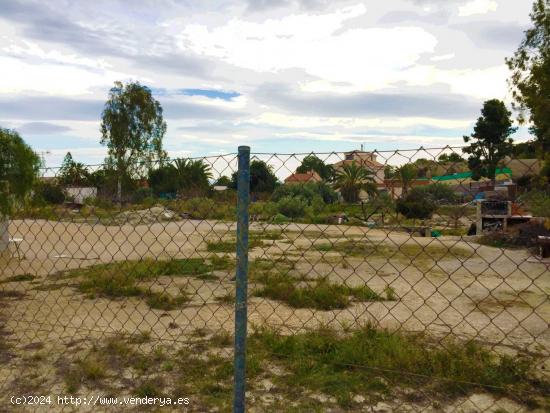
{"x": 378, "y": 281}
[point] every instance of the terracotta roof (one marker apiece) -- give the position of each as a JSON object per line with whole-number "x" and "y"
{"x": 305, "y": 177}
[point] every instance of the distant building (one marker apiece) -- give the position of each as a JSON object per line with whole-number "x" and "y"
{"x": 464, "y": 183}
{"x": 79, "y": 194}
{"x": 303, "y": 178}
{"x": 394, "y": 187}
{"x": 366, "y": 160}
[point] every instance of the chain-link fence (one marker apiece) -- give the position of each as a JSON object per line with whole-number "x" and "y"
{"x": 377, "y": 281}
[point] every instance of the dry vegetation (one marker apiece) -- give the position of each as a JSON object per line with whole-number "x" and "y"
{"x": 145, "y": 322}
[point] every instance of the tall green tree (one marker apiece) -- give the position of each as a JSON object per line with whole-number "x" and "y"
{"x": 73, "y": 173}
{"x": 314, "y": 163}
{"x": 450, "y": 157}
{"x": 19, "y": 167}
{"x": 132, "y": 128}
{"x": 351, "y": 179}
{"x": 530, "y": 79}
{"x": 491, "y": 141}
{"x": 262, "y": 177}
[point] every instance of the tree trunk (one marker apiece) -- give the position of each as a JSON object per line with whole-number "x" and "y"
{"x": 4, "y": 236}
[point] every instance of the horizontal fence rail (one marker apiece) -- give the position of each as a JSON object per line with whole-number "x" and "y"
{"x": 345, "y": 281}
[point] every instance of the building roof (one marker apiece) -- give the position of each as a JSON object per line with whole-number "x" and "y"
{"x": 365, "y": 159}
{"x": 461, "y": 176}
{"x": 304, "y": 177}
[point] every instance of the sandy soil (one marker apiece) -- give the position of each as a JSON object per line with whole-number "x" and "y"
{"x": 500, "y": 298}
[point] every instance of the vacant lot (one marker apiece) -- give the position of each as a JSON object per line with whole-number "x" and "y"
{"x": 100, "y": 308}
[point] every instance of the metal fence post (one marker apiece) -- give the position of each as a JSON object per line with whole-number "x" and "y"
{"x": 4, "y": 219}
{"x": 243, "y": 199}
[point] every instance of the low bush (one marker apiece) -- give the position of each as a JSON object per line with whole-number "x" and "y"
{"x": 292, "y": 207}
{"x": 140, "y": 194}
{"x": 440, "y": 193}
{"x": 416, "y": 205}
{"x": 308, "y": 191}
{"x": 205, "y": 208}
{"x": 538, "y": 202}
{"x": 263, "y": 210}
{"x": 48, "y": 193}
{"x": 303, "y": 200}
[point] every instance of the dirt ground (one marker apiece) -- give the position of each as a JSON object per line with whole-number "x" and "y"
{"x": 499, "y": 297}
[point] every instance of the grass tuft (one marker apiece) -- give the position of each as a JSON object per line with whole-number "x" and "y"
{"x": 18, "y": 278}
{"x": 166, "y": 302}
{"x": 149, "y": 388}
{"x": 375, "y": 363}
{"x": 230, "y": 246}
{"x": 390, "y": 293}
{"x": 122, "y": 279}
{"x": 228, "y": 298}
{"x": 321, "y": 295}
{"x": 435, "y": 251}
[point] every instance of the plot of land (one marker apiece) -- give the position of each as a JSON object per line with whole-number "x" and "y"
{"x": 158, "y": 295}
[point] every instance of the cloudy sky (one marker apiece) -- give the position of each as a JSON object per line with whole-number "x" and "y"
{"x": 280, "y": 76}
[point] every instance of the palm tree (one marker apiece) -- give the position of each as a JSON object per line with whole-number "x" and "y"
{"x": 406, "y": 173}
{"x": 73, "y": 173}
{"x": 192, "y": 174}
{"x": 353, "y": 178}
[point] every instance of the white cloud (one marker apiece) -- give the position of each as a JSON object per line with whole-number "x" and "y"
{"x": 55, "y": 79}
{"x": 27, "y": 67}
{"x": 377, "y": 139}
{"x": 293, "y": 121}
{"x": 331, "y": 52}
{"x": 312, "y": 43}
{"x": 442, "y": 57}
{"x": 477, "y": 7}
{"x": 480, "y": 83}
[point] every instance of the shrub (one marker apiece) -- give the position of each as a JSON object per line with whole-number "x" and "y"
{"x": 263, "y": 210}
{"x": 292, "y": 207}
{"x": 141, "y": 194}
{"x": 200, "y": 208}
{"x": 312, "y": 191}
{"x": 280, "y": 219}
{"x": 99, "y": 202}
{"x": 440, "y": 193}
{"x": 49, "y": 193}
{"x": 416, "y": 205}
{"x": 538, "y": 203}
{"x": 205, "y": 208}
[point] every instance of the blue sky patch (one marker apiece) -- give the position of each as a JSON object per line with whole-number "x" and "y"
{"x": 211, "y": 93}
